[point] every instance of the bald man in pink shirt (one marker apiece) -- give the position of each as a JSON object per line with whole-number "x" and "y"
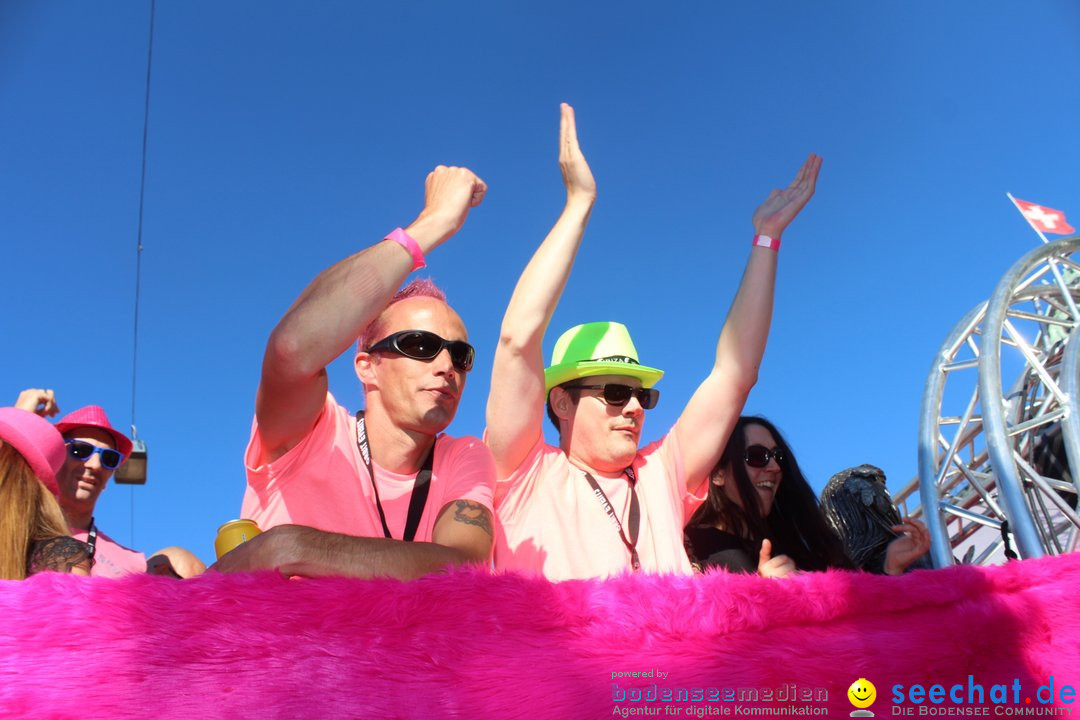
{"x": 383, "y": 493}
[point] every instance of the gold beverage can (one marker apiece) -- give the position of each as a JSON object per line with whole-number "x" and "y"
{"x": 233, "y": 533}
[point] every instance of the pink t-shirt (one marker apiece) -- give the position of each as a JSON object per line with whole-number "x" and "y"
{"x": 111, "y": 559}
{"x": 551, "y": 523}
{"x": 323, "y": 483}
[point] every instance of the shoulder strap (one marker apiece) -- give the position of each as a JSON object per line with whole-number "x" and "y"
{"x": 421, "y": 486}
{"x": 91, "y": 539}
{"x": 634, "y": 519}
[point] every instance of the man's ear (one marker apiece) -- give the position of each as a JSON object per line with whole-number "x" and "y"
{"x": 562, "y": 403}
{"x": 364, "y": 366}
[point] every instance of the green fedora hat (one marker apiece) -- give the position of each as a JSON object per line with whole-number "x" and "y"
{"x": 598, "y": 348}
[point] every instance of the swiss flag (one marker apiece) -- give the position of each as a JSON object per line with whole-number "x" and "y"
{"x": 1044, "y": 219}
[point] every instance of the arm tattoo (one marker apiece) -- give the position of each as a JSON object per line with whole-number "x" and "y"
{"x": 58, "y": 554}
{"x": 473, "y": 513}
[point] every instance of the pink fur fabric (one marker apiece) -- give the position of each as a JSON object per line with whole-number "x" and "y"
{"x": 470, "y": 645}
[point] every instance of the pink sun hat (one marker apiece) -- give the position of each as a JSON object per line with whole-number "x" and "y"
{"x": 37, "y": 441}
{"x": 93, "y": 416}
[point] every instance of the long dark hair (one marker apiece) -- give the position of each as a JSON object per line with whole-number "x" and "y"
{"x": 794, "y": 525}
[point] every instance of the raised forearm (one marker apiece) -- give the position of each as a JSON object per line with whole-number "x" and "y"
{"x": 540, "y": 286}
{"x": 746, "y": 331}
{"x": 515, "y": 403}
{"x": 706, "y": 423}
{"x": 342, "y": 300}
{"x": 742, "y": 341}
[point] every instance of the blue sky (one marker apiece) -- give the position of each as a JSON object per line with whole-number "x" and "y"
{"x": 285, "y": 136}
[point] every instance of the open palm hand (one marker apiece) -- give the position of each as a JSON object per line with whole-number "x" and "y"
{"x": 774, "y": 215}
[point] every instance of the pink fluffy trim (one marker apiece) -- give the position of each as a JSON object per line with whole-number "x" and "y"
{"x": 469, "y": 645}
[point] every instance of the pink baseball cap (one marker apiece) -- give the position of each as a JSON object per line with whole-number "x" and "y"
{"x": 37, "y": 441}
{"x": 94, "y": 416}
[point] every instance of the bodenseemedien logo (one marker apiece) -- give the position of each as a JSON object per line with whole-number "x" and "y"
{"x": 862, "y": 694}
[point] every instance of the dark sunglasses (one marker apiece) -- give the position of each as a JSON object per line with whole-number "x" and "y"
{"x": 424, "y": 345}
{"x": 758, "y": 456}
{"x": 618, "y": 394}
{"x": 79, "y": 450}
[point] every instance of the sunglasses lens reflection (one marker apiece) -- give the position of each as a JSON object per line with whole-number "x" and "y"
{"x": 758, "y": 456}
{"x": 80, "y": 451}
{"x": 461, "y": 354}
{"x": 617, "y": 394}
{"x": 421, "y": 346}
{"x": 648, "y": 398}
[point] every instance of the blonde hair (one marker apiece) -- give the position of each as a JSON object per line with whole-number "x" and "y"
{"x": 29, "y": 513}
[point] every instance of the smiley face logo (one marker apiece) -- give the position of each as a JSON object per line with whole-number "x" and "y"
{"x": 862, "y": 693}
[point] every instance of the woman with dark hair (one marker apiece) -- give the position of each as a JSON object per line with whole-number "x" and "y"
{"x": 761, "y": 514}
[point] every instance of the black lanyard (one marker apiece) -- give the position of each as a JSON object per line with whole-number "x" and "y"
{"x": 420, "y": 488}
{"x": 91, "y": 539}
{"x": 635, "y": 515}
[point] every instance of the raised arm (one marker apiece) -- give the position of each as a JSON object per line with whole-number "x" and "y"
{"x": 338, "y": 304}
{"x": 515, "y": 409}
{"x": 462, "y": 535}
{"x": 707, "y": 421}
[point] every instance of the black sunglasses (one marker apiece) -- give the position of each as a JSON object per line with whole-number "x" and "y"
{"x": 618, "y": 394}
{"x": 79, "y": 450}
{"x": 424, "y": 345}
{"x": 758, "y": 456}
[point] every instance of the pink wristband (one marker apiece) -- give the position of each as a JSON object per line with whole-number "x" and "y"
{"x": 766, "y": 241}
{"x": 403, "y": 239}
